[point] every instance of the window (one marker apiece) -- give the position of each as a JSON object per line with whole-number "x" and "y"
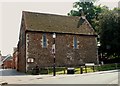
{"x": 30, "y": 60}
{"x": 44, "y": 41}
{"x": 75, "y": 42}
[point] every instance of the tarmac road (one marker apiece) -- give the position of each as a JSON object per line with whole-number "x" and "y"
{"x": 103, "y": 77}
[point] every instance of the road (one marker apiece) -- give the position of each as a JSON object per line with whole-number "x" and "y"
{"x": 103, "y": 77}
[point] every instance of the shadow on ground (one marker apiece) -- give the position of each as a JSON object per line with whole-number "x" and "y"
{"x": 10, "y": 72}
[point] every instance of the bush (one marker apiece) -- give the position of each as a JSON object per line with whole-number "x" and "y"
{"x": 106, "y": 67}
{"x": 43, "y": 71}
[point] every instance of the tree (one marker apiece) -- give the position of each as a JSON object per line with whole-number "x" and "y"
{"x": 86, "y": 8}
{"x": 105, "y": 22}
{"x": 109, "y": 31}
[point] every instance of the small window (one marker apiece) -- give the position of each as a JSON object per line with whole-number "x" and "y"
{"x": 75, "y": 42}
{"x": 44, "y": 41}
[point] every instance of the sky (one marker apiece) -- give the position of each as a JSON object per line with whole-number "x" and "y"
{"x": 11, "y": 12}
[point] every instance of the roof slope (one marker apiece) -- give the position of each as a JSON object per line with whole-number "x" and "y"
{"x": 8, "y": 57}
{"x": 56, "y": 23}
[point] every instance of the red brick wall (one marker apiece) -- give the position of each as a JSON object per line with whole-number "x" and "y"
{"x": 13, "y": 62}
{"x": 7, "y": 64}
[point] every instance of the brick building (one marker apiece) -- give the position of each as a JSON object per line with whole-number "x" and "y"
{"x": 75, "y": 41}
{"x": 15, "y": 57}
{"x": 7, "y": 62}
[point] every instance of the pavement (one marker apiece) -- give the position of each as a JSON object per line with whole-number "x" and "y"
{"x": 104, "y": 77}
{"x": 10, "y": 72}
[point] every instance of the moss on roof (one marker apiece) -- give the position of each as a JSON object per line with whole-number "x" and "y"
{"x": 56, "y": 23}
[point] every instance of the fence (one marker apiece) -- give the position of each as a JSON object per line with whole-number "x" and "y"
{"x": 81, "y": 69}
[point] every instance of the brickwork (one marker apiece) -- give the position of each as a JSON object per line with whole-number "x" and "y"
{"x": 21, "y": 49}
{"x": 7, "y": 64}
{"x": 22, "y": 60}
{"x": 66, "y": 55}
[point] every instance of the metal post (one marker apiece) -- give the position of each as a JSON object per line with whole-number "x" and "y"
{"x": 86, "y": 69}
{"x": 97, "y": 55}
{"x": 53, "y": 47}
{"x": 81, "y": 70}
{"x": 64, "y": 70}
{"x": 93, "y": 68}
{"x": 115, "y": 65}
{"x": 54, "y": 73}
{"x": 98, "y": 45}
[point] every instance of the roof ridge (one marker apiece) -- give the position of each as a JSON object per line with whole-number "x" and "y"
{"x": 49, "y": 14}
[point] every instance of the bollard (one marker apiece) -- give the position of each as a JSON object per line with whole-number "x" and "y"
{"x": 81, "y": 70}
{"x": 93, "y": 68}
{"x": 64, "y": 70}
{"x": 48, "y": 70}
{"x": 115, "y": 65}
{"x": 86, "y": 69}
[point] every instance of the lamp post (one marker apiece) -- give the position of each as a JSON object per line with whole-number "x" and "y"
{"x": 98, "y": 45}
{"x": 53, "y": 51}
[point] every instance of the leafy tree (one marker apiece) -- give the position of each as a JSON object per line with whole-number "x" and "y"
{"x": 109, "y": 31}
{"x": 104, "y": 10}
{"x": 86, "y": 8}
{"x": 105, "y": 22}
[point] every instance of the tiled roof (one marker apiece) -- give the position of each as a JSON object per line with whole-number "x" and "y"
{"x": 3, "y": 57}
{"x": 56, "y": 23}
{"x": 8, "y": 57}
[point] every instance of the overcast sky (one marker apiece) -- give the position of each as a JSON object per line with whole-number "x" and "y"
{"x": 10, "y": 17}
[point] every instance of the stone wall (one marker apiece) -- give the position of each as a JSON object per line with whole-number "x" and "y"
{"x": 21, "y": 63}
{"x": 65, "y": 54}
{"x": 21, "y": 59}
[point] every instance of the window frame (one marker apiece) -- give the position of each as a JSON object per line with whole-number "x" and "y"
{"x": 44, "y": 41}
{"x": 75, "y": 42}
